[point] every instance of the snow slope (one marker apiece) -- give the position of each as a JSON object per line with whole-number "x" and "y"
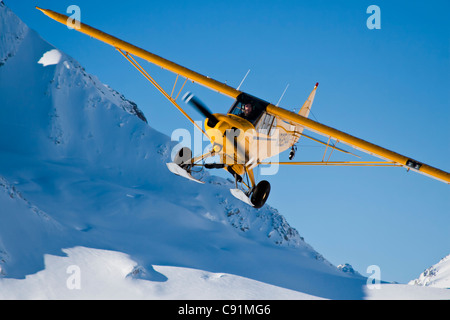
{"x": 437, "y": 276}
{"x": 112, "y": 275}
{"x": 83, "y": 184}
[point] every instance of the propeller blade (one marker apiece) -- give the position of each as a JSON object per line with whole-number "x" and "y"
{"x": 190, "y": 98}
{"x": 212, "y": 121}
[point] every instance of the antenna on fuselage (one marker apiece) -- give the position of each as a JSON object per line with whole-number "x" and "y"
{"x": 278, "y": 103}
{"x": 243, "y": 80}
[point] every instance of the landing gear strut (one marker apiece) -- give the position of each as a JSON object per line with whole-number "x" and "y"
{"x": 183, "y": 156}
{"x": 255, "y": 195}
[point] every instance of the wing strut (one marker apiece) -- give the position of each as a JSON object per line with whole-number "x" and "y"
{"x": 133, "y": 61}
{"x": 337, "y": 163}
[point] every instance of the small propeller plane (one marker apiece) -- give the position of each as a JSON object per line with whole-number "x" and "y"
{"x": 252, "y": 131}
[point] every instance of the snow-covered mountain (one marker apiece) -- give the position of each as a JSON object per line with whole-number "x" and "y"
{"x": 348, "y": 268}
{"x": 84, "y": 186}
{"x": 437, "y": 276}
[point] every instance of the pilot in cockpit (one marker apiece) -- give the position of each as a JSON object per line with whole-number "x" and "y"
{"x": 247, "y": 113}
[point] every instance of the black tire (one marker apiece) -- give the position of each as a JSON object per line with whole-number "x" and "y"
{"x": 183, "y": 155}
{"x": 260, "y": 194}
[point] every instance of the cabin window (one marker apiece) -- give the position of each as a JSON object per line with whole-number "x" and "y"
{"x": 267, "y": 124}
{"x": 246, "y": 111}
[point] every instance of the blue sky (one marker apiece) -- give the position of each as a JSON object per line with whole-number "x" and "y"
{"x": 387, "y": 86}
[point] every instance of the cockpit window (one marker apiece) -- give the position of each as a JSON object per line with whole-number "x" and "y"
{"x": 245, "y": 110}
{"x": 248, "y": 107}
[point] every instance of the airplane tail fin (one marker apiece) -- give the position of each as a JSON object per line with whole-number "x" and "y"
{"x": 304, "y": 111}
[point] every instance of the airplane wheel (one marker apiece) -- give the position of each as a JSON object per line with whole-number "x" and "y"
{"x": 260, "y": 194}
{"x": 183, "y": 155}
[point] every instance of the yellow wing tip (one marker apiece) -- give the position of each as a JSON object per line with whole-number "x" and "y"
{"x": 44, "y": 11}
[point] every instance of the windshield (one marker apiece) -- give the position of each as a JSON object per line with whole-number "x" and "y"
{"x": 248, "y": 107}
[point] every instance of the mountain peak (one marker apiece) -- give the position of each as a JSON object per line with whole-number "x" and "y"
{"x": 348, "y": 269}
{"x": 437, "y": 275}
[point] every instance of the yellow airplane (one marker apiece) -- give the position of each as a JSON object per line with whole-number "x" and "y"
{"x": 252, "y": 131}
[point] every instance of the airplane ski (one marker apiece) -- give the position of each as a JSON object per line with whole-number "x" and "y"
{"x": 240, "y": 195}
{"x": 176, "y": 169}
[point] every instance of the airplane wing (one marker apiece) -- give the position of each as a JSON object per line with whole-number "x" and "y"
{"x": 359, "y": 144}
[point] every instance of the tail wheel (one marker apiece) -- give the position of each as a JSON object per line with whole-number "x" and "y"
{"x": 183, "y": 155}
{"x": 260, "y": 194}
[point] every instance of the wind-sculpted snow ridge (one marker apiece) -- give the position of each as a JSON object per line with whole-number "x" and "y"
{"x": 12, "y": 33}
{"x": 70, "y": 76}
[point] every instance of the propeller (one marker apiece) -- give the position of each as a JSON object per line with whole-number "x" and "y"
{"x": 212, "y": 122}
{"x": 190, "y": 98}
